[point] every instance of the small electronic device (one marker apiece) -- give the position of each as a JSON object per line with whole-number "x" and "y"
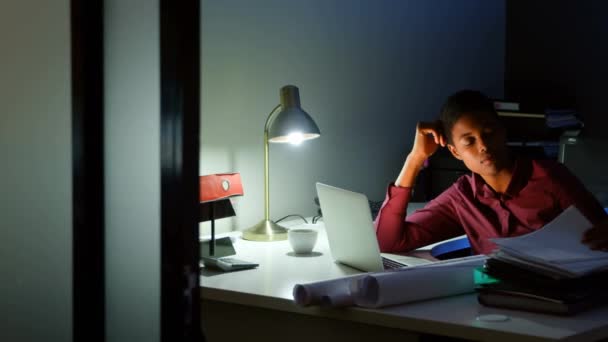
{"x": 222, "y": 256}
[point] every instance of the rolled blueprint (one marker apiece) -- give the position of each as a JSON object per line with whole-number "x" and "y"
{"x": 328, "y": 293}
{"x": 448, "y": 278}
{"x": 375, "y": 290}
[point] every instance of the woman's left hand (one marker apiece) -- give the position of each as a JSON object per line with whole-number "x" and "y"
{"x": 597, "y": 237}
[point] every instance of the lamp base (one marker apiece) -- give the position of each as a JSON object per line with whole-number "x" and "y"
{"x": 266, "y": 230}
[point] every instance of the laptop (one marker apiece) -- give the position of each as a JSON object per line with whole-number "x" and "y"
{"x": 222, "y": 258}
{"x": 350, "y": 232}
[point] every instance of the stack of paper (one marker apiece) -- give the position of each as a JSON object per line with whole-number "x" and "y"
{"x": 549, "y": 271}
{"x": 555, "y": 250}
{"x": 374, "y": 290}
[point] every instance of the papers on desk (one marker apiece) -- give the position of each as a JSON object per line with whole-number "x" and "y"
{"x": 374, "y": 290}
{"x": 555, "y": 250}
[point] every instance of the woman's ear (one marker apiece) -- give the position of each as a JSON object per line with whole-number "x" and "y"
{"x": 453, "y": 151}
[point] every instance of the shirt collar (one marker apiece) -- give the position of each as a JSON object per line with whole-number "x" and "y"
{"x": 521, "y": 173}
{"x": 480, "y": 188}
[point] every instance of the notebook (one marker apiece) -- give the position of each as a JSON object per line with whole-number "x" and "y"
{"x": 350, "y": 232}
{"x": 222, "y": 258}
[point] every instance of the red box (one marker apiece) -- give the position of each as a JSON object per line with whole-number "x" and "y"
{"x": 220, "y": 185}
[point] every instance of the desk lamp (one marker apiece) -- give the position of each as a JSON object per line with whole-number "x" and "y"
{"x": 286, "y": 123}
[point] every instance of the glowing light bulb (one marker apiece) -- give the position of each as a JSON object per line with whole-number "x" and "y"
{"x": 295, "y": 138}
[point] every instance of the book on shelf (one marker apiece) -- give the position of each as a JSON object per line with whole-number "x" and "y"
{"x": 521, "y": 115}
{"x": 542, "y": 143}
{"x": 555, "y": 117}
{"x": 517, "y": 109}
{"x": 555, "y": 250}
{"x": 563, "y": 118}
{"x": 501, "y": 105}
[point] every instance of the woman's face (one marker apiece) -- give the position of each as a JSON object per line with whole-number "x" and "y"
{"x": 479, "y": 141}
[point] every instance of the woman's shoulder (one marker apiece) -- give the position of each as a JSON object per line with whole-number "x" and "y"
{"x": 548, "y": 168}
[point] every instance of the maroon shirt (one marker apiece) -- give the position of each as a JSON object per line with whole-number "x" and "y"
{"x": 538, "y": 192}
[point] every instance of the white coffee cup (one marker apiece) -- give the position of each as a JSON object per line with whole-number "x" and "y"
{"x": 302, "y": 240}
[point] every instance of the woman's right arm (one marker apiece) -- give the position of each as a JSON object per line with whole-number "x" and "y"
{"x": 435, "y": 222}
{"x": 392, "y": 230}
{"x": 429, "y": 136}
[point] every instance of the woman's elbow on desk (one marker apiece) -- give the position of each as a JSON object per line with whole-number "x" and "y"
{"x": 392, "y": 242}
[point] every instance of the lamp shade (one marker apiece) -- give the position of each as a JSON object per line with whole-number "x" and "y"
{"x": 292, "y": 122}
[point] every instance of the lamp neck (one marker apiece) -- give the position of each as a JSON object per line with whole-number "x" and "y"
{"x": 269, "y": 119}
{"x": 266, "y": 191}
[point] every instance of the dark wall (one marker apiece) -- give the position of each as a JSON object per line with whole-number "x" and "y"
{"x": 557, "y": 53}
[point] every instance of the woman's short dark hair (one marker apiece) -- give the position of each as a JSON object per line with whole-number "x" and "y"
{"x": 464, "y": 102}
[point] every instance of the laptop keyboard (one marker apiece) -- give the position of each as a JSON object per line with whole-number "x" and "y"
{"x": 391, "y": 264}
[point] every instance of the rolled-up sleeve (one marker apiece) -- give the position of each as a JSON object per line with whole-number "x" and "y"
{"x": 397, "y": 232}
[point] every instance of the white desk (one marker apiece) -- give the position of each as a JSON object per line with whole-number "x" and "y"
{"x": 259, "y": 303}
